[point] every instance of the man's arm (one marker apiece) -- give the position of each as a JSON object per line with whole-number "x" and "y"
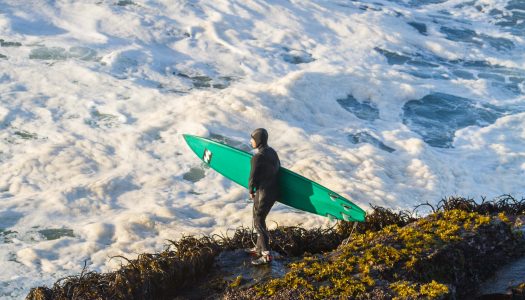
{"x": 253, "y": 183}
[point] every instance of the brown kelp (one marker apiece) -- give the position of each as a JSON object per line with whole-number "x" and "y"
{"x": 391, "y": 255}
{"x": 150, "y": 276}
{"x": 163, "y": 275}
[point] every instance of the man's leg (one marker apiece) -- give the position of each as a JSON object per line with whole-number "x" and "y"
{"x": 262, "y": 208}
{"x": 259, "y": 220}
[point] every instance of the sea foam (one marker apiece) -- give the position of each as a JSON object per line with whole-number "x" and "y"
{"x": 391, "y": 103}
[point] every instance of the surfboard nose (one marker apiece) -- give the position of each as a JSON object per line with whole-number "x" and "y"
{"x": 187, "y": 136}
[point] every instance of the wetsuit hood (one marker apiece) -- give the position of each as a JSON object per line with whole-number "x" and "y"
{"x": 260, "y": 136}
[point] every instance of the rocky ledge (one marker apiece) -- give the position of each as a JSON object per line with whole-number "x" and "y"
{"x": 446, "y": 254}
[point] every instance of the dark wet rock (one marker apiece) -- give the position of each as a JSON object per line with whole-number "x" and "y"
{"x": 509, "y": 276}
{"x": 363, "y": 110}
{"x": 495, "y": 296}
{"x": 232, "y": 269}
{"x": 102, "y": 120}
{"x": 7, "y": 236}
{"x": 220, "y": 86}
{"x": 59, "y": 53}
{"x": 392, "y": 254}
{"x": 436, "y": 117}
{"x": 371, "y": 7}
{"x": 365, "y": 137}
{"x": 125, "y": 3}
{"x": 519, "y": 290}
{"x": 297, "y": 57}
{"x": 194, "y": 174}
{"x": 55, "y": 234}
{"x": 18, "y": 135}
{"x": 51, "y": 53}
{"x": 203, "y": 82}
{"x": 190, "y": 262}
{"x": 9, "y": 44}
{"x": 516, "y": 292}
{"x": 237, "y": 264}
{"x": 25, "y": 135}
{"x": 418, "y": 261}
{"x": 2, "y": 56}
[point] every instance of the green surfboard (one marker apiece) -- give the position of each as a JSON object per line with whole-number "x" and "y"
{"x": 296, "y": 190}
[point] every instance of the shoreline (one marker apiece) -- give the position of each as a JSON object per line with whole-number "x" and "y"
{"x": 385, "y": 258}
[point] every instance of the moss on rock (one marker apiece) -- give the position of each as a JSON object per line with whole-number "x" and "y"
{"x": 441, "y": 256}
{"x": 393, "y": 255}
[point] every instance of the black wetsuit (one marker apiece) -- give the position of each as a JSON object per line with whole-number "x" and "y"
{"x": 263, "y": 181}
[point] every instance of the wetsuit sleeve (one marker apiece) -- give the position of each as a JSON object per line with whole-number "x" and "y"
{"x": 253, "y": 182}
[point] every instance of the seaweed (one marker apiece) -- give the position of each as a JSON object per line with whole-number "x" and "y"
{"x": 441, "y": 256}
{"x": 394, "y": 254}
{"x": 503, "y": 204}
{"x": 150, "y": 276}
{"x": 164, "y": 275}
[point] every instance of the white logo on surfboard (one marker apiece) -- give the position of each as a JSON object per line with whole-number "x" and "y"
{"x": 207, "y": 156}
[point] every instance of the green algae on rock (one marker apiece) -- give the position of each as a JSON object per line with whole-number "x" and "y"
{"x": 393, "y": 255}
{"x": 441, "y": 256}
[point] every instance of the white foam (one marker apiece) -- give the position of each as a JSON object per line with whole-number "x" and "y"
{"x": 93, "y": 143}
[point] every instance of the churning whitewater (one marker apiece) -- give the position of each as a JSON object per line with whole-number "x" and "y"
{"x": 388, "y": 102}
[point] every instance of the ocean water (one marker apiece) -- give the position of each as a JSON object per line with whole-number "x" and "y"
{"x": 392, "y": 103}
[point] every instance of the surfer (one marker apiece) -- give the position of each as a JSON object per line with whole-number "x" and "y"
{"x": 264, "y": 190}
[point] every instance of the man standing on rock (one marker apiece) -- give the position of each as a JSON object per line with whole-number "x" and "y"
{"x": 264, "y": 190}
